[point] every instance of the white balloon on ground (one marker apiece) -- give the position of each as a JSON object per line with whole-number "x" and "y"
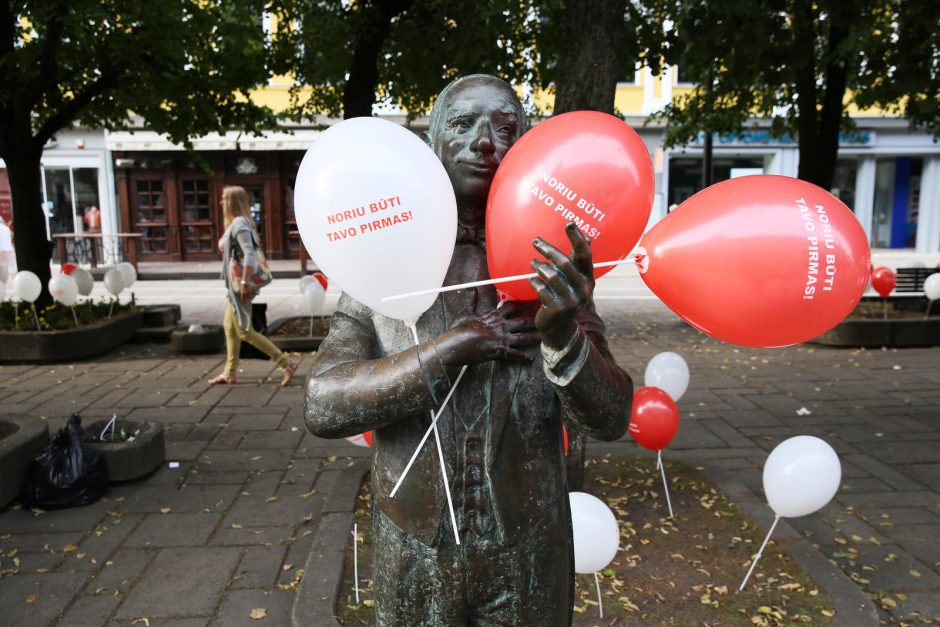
{"x": 63, "y": 289}
{"x": 305, "y": 281}
{"x": 377, "y": 212}
{"x": 595, "y": 530}
{"x": 114, "y": 281}
{"x": 668, "y": 372}
{"x": 26, "y": 286}
{"x": 932, "y": 286}
{"x": 128, "y": 272}
{"x": 84, "y": 281}
{"x": 801, "y": 475}
{"x": 314, "y": 297}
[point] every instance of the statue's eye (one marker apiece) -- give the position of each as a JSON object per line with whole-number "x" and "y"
{"x": 461, "y": 123}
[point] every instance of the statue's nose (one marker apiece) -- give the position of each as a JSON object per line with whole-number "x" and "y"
{"x": 483, "y": 141}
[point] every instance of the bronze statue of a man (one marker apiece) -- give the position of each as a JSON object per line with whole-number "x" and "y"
{"x": 529, "y": 364}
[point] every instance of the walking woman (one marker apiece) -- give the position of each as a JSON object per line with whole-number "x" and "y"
{"x": 239, "y": 261}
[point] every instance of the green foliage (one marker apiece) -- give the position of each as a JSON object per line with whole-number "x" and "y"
{"x": 756, "y": 57}
{"x": 57, "y": 317}
{"x": 426, "y": 44}
{"x": 184, "y": 66}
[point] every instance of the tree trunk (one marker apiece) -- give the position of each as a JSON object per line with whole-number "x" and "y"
{"x": 33, "y": 249}
{"x": 589, "y": 64}
{"x": 359, "y": 94}
{"x": 587, "y": 80}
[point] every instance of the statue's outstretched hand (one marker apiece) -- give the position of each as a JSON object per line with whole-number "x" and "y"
{"x": 502, "y": 333}
{"x": 564, "y": 286}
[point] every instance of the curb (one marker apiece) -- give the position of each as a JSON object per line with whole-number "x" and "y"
{"x": 324, "y": 566}
{"x": 323, "y": 569}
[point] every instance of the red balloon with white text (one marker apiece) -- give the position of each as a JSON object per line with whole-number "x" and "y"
{"x": 760, "y": 261}
{"x": 585, "y": 166}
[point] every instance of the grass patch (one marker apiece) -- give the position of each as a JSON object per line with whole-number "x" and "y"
{"x": 680, "y": 571}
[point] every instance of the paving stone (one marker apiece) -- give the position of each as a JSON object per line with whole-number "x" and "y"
{"x": 920, "y": 540}
{"x": 182, "y": 582}
{"x": 226, "y": 439}
{"x": 239, "y": 534}
{"x": 188, "y": 498}
{"x": 165, "y": 530}
{"x": 206, "y": 475}
{"x": 918, "y": 605}
{"x": 894, "y": 568}
{"x": 185, "y": 451}
{"x": 255, "y": 421}
{"x": 890, "y": 517}
{"x": 90, "y": 610}
{"x": 189, "y": 414}
{"x": 260, "y": 567}
{"x": 271, "y": 439}
{"x": 120, "y": 572}
{"x": 874, "y": 500}
{"x": 237, "y": 605}
{"x": 245, "y": 459}
{"x": 275, "y": 513}
{"x": 32, "y": 599}
{"x": 247, "y": 395}
{"x": 99, "y": 543}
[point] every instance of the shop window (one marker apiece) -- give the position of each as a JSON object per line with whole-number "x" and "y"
{"x": 293, "y": 235}
{"x": 197, "y": 226}
{"x": 150, "y": 215}
{"x": 897, "y": 202}
{"x": 685, "y": 173}
{"x": 843, "y": 181}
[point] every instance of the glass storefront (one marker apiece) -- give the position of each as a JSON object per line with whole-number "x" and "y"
{"x": 897, "y": 202}
{"x": 843, "y": 181}
{"x": 685, "y": 173}
{"x": 71, "y": 197}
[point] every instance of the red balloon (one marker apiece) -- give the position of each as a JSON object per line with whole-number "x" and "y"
{"x": 759, "y": 261}
{"x": 654, "y": 420}
{"x": 883, "y": 280}
{"x": 322, "y": 280}
{"x": 367, "y": 436}
{"x": 564, "y": 435}
{"x": 584, "y": 166}
{"x": 69, "y": 268}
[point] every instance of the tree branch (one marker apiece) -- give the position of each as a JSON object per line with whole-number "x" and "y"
{"x": 71, "y": 108}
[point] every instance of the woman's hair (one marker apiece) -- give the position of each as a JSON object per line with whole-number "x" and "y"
{"x": 237, "y": 203}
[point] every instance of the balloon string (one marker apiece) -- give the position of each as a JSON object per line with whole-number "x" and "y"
{"x": 110, "y": 309}
{"x": 16, "y": 315}
{"x": 659, "y": 459}
{"x": 662, "y": 470}
{"x": 759, "y": 553}
{"x": 929, "y": 305}
{"x": 74, "y": 316}
{"x": 311, "y": 335}
{"x": 428, "y": 432}
{"x": 600, "y": 602}
{"x": 505, "y": 279}
{"x": 36, "y": 315}
{"x": 440, "y": 458}
{"x": 355, "y": 533}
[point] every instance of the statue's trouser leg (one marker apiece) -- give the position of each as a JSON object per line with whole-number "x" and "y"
{"x": 476, "y": 583}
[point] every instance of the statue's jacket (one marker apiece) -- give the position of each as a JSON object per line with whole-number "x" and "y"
{"x": 368, "y": 374}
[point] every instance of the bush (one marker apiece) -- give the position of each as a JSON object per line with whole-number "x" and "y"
{"x": 57, "y": 317}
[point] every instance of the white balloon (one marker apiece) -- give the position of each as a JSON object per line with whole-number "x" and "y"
{"x": 305, "y": 281}
{"x": 63, "y": 289}
{"x": 314, "y": 296}
{"x": 376, "y": 210}
{"x": 114, "y": 281}
{"x": 596, "y": 534}
{"x": 801, "y": 475}
{"x": 84, "y": 281}
{"x": 128, "y": 273}
{"x": 932, "y": 286}
{"x": 26, "y": 286}
{"x": 668, "y": 372}
{"x": 916, "y": 264}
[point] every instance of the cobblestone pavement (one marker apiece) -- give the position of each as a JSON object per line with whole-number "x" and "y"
{"x": 226, "y": 532}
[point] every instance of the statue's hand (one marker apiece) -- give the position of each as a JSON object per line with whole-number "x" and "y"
{"x": 564, "y": 286}
{"x": 502, "y": 333}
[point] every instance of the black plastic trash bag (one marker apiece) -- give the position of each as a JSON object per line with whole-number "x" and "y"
{"x": 65, "y": 473}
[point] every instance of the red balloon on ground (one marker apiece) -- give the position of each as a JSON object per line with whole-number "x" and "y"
{"x": 321, "y": 279}
{"x": 759, "y": 261}
{"x": 584, "y": 166}
{"x": 654, "y": 420}
{"x": 69, "y": 268}
{"x": 883, "y": 280}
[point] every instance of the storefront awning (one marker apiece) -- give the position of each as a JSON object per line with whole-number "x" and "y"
{"x": 300, "y": 139}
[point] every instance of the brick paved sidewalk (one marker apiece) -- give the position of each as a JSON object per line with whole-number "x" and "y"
{"x": 227, "y": 531}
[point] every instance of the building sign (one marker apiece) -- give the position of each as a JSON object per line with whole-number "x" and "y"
{"x": 762, "y": 137}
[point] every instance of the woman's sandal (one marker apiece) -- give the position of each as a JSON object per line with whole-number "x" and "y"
{"x": 288, "y": 374}
{"x": 222, "y": 380}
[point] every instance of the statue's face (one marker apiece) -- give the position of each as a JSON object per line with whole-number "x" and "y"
{"x": 480, "y": 122}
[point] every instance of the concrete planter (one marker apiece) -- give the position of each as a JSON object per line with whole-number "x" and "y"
{"x": 305, "y": 342}
{"x": 68, "y": 344}
{"x": 209, "y": 340}
{"x": 20, "y": 441}
{"x": 129, "y": 460}
{"x": 902, "y": 333}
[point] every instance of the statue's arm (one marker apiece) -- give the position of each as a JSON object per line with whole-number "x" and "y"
{"x": 592, "y": 388}
{"x": 352, "y": 389}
